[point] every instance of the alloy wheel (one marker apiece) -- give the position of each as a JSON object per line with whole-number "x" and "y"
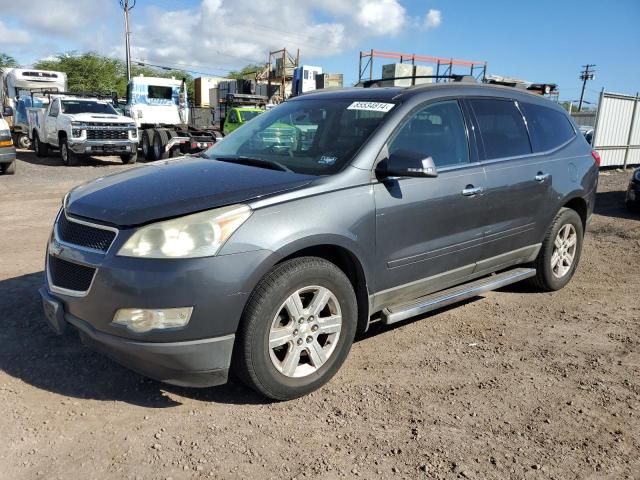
{"x": 564, "y": 250}
{"x": 305, "y": 331}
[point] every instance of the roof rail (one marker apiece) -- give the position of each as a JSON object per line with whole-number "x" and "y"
{"x": 49, "y": 91}
{"x": 454, "y": 78}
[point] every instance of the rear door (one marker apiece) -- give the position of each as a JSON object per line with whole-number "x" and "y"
{"x": 518, "y": 182}
{"x": 429, "y": 231}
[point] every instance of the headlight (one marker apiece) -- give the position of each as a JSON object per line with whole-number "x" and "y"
{"x": 198, "y": 235}
{"x": 636, "y": 176}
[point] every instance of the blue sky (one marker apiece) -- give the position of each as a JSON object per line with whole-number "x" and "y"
{"x": 541, "y": 41}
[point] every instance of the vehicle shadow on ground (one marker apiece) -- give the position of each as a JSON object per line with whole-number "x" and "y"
{"x": 612, "y": 204}
{"x": 31, "y": 352}
{"x": 53, "y": 160}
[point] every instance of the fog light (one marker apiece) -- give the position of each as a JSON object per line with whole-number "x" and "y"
{"x": 143, "y": 320}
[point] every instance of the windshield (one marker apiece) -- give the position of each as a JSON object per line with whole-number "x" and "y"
{"x": 312, "y": 136}
{"x": 82, "y": 106}
{"x": 248, "y": 115}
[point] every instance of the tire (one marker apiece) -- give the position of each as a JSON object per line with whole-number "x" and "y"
{"x": 23, "y": 141}
{"x": 159, "y": 143}
{"x": 66, "y": 154}
{"x": 266, "y": 370}
{"x": 553, "y": 274}
{"x": 129, "y": 158}
{"x": 8, "y": 168}
{"x": 147, "y": 144}
{"x": 41, "y": 149}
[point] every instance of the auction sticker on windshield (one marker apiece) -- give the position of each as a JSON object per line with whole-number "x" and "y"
{"x": 371, "y": 106}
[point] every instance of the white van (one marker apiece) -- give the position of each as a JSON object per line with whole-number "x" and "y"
{"x": 7, "y": 149}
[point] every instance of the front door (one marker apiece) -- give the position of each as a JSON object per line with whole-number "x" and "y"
{"x": 429, "y": 231}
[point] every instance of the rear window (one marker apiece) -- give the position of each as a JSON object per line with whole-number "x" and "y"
{"x": 161, "y": 93}
{"x": 502, "y": 128}
{"x": 548, "y": 128}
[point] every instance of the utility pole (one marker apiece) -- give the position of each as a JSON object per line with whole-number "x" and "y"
{"x": 586, "y": 74}
{"x": 127, "y": 5}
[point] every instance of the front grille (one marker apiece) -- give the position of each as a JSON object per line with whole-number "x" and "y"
{"x": 70, "y": 276}
{"x": 107, "y": 134}
{"x": 84, "y": 235}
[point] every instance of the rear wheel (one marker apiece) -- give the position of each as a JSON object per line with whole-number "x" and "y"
{"x": 8, "y": 168}
{"x": 41, "y": 149}
{"x": 560, "y": 251}
{"x": 159, "y": 143}
{"x": 147, "y": 144}
{"x": 297, "y": 329}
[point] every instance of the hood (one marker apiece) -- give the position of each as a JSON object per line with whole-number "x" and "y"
{"x": 175, "y": 187}
{"x": 99, "y": 117}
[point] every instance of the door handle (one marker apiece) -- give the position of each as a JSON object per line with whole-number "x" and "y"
{"x": 470, "y": 191}
{"x": 541, "y": 177}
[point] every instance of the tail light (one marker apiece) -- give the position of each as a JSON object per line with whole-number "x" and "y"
{"x": 596, "y": 157}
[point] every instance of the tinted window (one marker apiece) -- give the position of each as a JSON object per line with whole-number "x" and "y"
{"x": 549, "y": 128}
{"x": 161, "y": 93}
{"x": 437, "y": 131}
{"x": 503, "y": 131}
{"x": 86, "y": 106}
{"x": 306, "y": 135}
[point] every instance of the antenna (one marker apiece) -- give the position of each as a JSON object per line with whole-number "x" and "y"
{"x": 127, "y": 5}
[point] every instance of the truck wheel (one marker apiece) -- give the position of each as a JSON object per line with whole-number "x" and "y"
{"x": 129, "y": 158}
{"x": 8, "y": 168}
{"x": 159, "y": 143}
{"x": 67, "y": 155}
{"x": 560, "y": 252}
{"x": 41, "y": 149}
{"x": 23, "y": 141}
{"x": 147, "y": 144}
{"x": 297, "y": 328}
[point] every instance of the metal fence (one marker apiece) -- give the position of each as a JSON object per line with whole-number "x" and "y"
{"x": 617, "y": 129}
{"x": 584, "y": 119}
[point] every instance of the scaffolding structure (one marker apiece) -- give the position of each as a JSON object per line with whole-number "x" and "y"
{"x": 444, "y": 67}
{"x": 282, "y": 74}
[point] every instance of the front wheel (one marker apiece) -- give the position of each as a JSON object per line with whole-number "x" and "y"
{"x": 8, "y": 168}
{"x": 297, "y": 329}
{"x": 560, "y": 252}
{"x": 129, "y": 157}
{"x": 67, "y": 155}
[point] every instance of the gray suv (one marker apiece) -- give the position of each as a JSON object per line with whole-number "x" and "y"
{"x": 267, "y": 259}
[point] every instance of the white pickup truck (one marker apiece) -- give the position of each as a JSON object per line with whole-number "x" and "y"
{"x": 82, "y": 126}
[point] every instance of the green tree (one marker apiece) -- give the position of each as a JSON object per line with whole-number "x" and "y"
{"x": 8, "y": 61}
{"x": 248, "y": 71}
{"x": 86, "y": 72}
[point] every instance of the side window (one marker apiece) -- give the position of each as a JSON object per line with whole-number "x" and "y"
{"x": 502, "y": 128}
{"x": 436, "y": 130}
{"x": 233, "y": 116}
{"x": 55, "y": 108}
{"x": 549, "y": 128}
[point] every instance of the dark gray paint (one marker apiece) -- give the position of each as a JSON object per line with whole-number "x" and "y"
{"x": 411, "y": 236}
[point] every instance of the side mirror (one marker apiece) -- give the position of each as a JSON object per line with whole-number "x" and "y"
{"x": 7, "y": 112}
{"x": 404, "y": 163}
{"x": 114, "y": 99}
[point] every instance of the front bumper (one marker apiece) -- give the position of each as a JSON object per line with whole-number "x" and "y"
{"x": 196, "y": 363}
{"x": 103, "y": 147}
{"x": 7, "y": 154}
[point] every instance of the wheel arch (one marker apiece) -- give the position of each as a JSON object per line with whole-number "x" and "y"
{"x": 579, "y": 205}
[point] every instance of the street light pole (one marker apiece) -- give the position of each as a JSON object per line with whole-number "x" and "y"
{"x": 127, "y": 5}
{"x": 586, "y": 74}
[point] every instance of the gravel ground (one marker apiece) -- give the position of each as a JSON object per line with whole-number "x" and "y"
{"x": 515, "y": 384}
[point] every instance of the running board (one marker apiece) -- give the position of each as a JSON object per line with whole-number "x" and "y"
{"x": 402, "y": 311}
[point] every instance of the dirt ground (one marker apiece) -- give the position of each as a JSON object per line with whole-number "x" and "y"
{"x": 515, "y": 384}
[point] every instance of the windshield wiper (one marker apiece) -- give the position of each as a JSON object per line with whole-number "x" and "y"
{"x": 255, "y": 162}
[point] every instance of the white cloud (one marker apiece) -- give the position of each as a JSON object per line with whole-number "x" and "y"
{"x": 433, "y": 19}
{"x": 9, "y": 36}
{"x": 213, "y": 35}
{"x": 381, "y": 16}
